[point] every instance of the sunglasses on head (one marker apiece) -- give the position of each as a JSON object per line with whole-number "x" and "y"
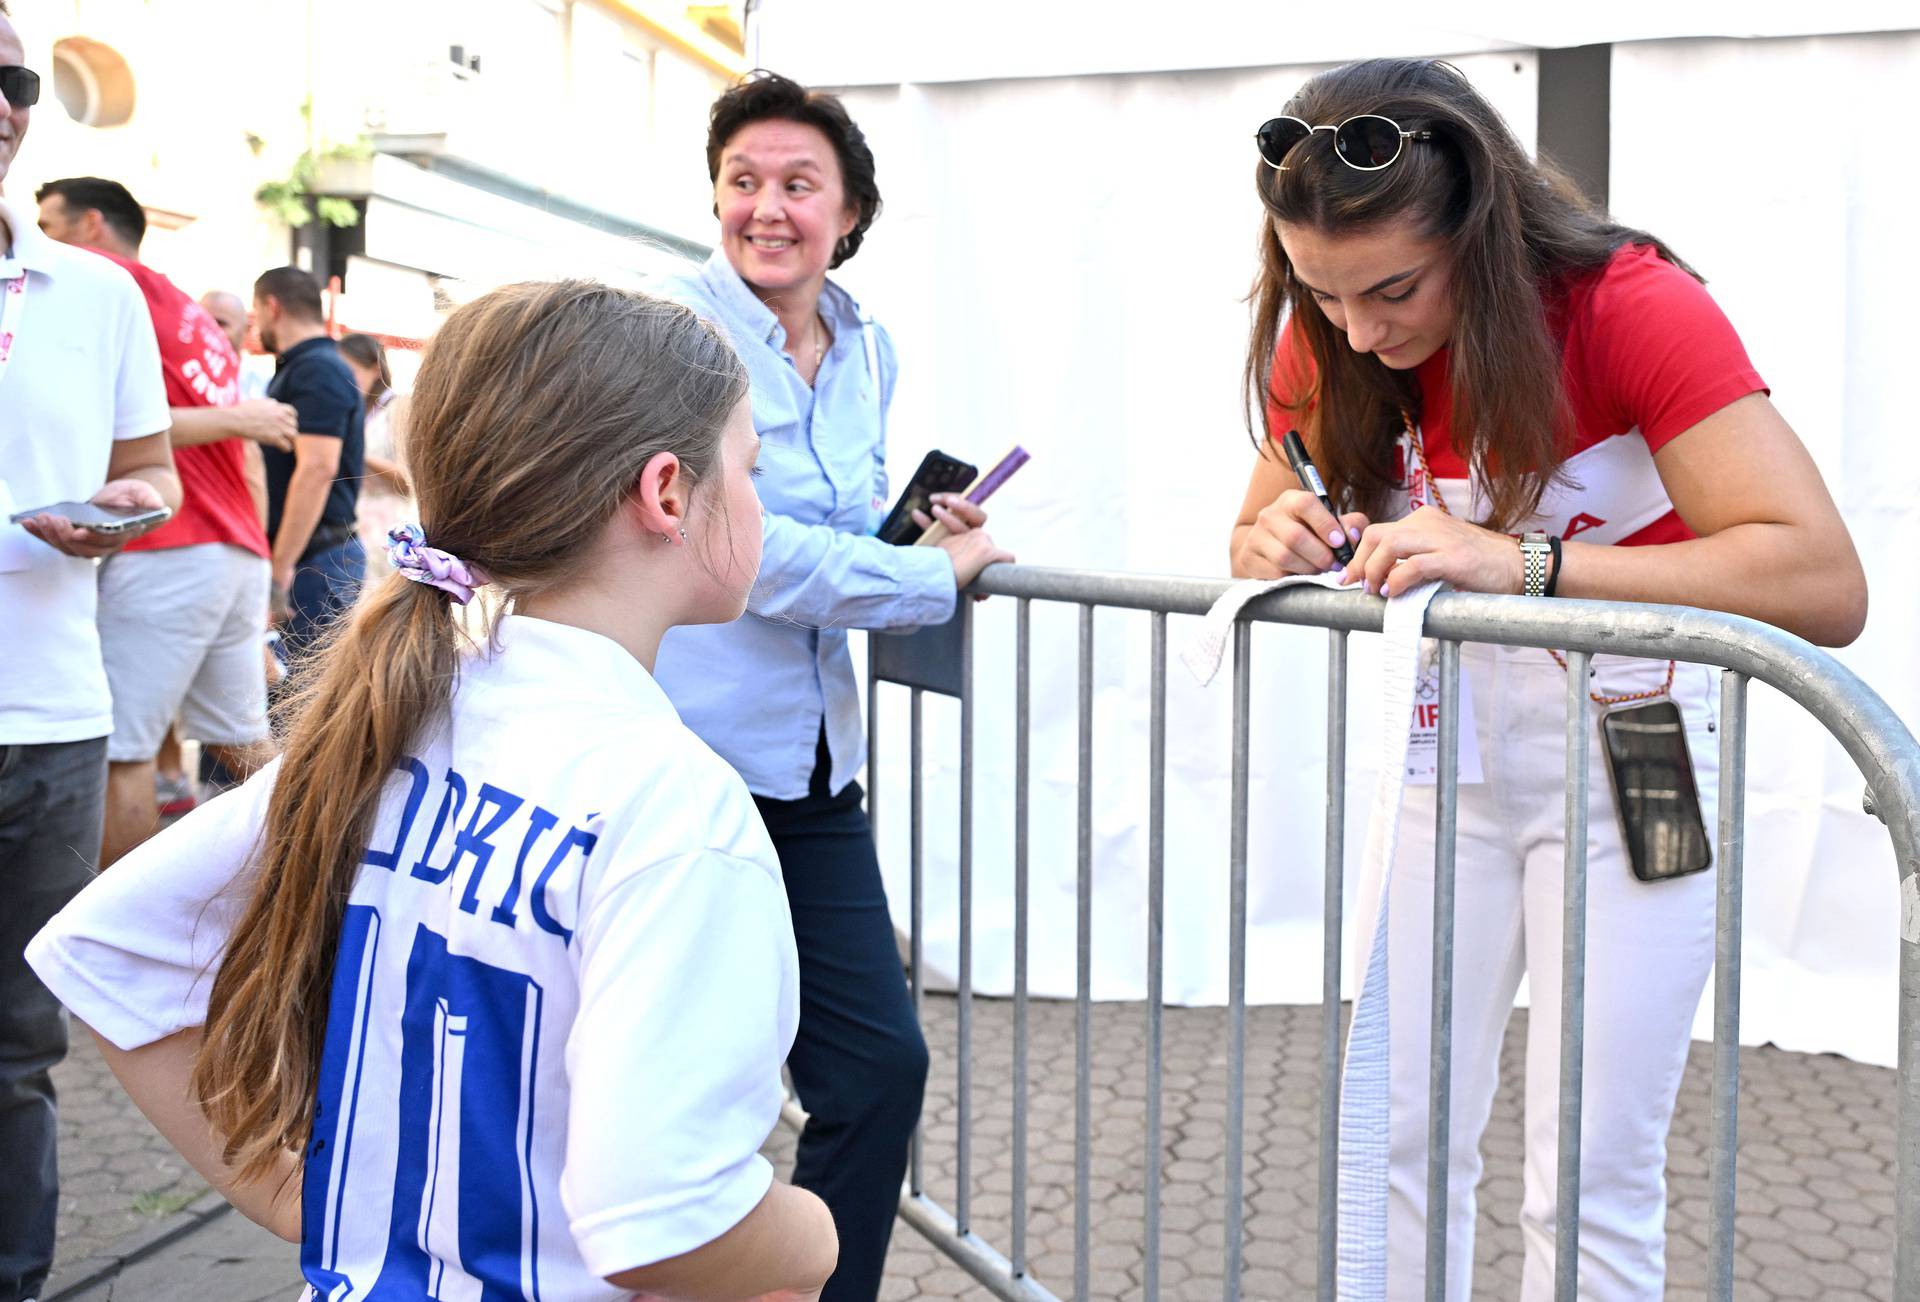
{"x": 1366, "y": 142}
{"x": 20, "y": 86}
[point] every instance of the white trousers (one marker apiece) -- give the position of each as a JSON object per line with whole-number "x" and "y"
{"x": 1649, "y": 950}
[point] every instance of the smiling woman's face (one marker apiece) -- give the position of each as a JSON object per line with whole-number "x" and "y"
{"x": 782, "y": 205}
{"x": 1387, "y": 288}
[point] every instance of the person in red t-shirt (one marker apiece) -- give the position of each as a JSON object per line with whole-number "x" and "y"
{"x": 182, "y": 609}
{"x": 1506, "y": 391}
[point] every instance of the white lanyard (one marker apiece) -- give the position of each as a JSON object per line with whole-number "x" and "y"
{"x": 13, "y": 303}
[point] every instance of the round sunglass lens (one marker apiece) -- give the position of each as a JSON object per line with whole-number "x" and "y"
{"x": 1279, "y": 135}
{"x": 1368, "y": 141}
{"x": 20, "y": 86}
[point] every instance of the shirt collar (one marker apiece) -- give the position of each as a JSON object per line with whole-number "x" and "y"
{"x": 740, "y": 304}
{"x": 31, "y": 247}
{"x": 302, "y": 348}
{"x": 736, "y": 298}
{"x": 570, "y": 661}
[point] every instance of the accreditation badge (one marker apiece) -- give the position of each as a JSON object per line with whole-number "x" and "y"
{"x": 1423, "y": 729}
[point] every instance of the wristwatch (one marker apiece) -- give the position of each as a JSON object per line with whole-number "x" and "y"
{"x": 1535, "y": 554}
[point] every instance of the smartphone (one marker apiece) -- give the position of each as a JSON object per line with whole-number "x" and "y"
{"x": 938, "y": 473}
{"x": 95, "y": 518}
{"x": 1654, "y": 791}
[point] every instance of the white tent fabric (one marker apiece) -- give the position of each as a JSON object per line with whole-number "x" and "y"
{"x": 883, "y": 43}
{"x": 1063, "y": 260}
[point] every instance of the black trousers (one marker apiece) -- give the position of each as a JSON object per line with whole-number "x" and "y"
{"x": 52, "y": 803}
{"x": 859, "y": 1062}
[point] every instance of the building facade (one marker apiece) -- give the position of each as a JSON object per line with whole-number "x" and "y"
{"x": 435, "y": 148}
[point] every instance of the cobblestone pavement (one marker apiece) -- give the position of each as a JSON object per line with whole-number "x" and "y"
{"x": 1815, "y": 1171}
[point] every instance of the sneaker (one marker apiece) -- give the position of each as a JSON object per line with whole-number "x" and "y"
{"x": 175, "y": 794}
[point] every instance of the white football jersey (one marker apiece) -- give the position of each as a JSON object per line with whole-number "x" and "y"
{"x": 563, "y": 993}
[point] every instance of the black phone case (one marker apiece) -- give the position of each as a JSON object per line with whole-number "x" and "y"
{"x": 938, "y": 473}
{"x": 1660, "y": 844}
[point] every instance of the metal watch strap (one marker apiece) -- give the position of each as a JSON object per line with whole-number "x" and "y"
{"x": 1534, "y": 555}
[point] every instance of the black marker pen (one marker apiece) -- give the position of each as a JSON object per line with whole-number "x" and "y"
{"x": 1309, "y": 477}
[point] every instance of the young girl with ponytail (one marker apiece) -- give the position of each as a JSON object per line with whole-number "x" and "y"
{"x": 482, "y": 989}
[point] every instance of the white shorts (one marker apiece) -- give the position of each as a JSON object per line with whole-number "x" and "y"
{"x": 180, "y": 631}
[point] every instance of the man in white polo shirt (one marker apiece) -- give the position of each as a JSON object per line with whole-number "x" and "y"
{"x": 83, "y": 417}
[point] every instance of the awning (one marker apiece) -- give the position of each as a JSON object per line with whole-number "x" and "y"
{"x": 448, "y": 228}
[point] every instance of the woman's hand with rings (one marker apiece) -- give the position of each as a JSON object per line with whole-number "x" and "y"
{"x": 1295, "y": 534}
{"x": 1428, "y": 545}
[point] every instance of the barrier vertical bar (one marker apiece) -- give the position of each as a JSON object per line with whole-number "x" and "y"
{"x": 1156, "y": 929}
{"x": 963, "y": 1071}
{"x": 1083, "y": 1011}
{"x": 1440, "y": 1094}
{"x": 1906, "y": 1156}
{"x": 1022, "y": 707}
{"x": 1573, "y": 985}
{"x": 917, "y": 905}
{"x": 873, "y": 747}
{"x": 1235, "y": 1210}
{"x": 1726, "y": 981}
{"x": 1331, "y": 906}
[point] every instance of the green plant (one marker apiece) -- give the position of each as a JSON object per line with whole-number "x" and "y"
{"x": 292, "y": 200}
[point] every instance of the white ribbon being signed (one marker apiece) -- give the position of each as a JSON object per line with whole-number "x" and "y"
{"x": 1204, "y": 654}
{"x": 1364, "y": 1089}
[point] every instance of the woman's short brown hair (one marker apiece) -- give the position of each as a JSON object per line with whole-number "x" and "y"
{"x": 763, "y": 96}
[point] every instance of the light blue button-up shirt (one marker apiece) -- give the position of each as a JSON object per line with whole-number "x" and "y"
{"x": 758, "y": 689}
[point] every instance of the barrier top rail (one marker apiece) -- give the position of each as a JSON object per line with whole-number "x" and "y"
{"x": 1878, "y": 742}
{"x": 1866, "y": 726}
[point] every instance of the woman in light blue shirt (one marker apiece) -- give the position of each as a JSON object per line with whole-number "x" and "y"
{"x": 774, "y": 691}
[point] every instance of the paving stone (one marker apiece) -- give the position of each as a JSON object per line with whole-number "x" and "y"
{"x": 1815, "y": 1215}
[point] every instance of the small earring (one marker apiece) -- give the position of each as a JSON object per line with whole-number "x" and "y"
{"x": 665, "y": 538}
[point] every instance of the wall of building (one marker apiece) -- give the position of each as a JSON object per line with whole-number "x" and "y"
{"x": 599, "y": 102}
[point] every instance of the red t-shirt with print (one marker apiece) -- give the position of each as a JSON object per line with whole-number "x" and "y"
{"x": 1643, "y": 347}
{"x": 201, "y": 370}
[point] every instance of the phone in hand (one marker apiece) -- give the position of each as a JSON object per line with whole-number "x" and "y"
{"x": 938, "y": 473}
{"x": 96, "y": 518}
{"x": 1654, "y": 790}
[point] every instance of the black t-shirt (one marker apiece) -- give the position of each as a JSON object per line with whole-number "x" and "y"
{"x": 313, "y": 379}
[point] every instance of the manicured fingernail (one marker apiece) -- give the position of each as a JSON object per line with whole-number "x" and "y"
{"x": 1334, "y": 537}
{"x": 1354, "y": 534}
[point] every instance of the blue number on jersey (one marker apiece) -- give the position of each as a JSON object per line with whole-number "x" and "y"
{"x": 465, "y": 1220}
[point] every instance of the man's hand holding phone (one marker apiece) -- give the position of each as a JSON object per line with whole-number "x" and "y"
{"x": 105, "y": 534}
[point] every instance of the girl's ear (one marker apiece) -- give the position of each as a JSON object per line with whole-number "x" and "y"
{"x": 661, "y": 496}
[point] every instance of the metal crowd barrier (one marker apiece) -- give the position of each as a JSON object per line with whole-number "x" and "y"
{"x": 940, "y": 660}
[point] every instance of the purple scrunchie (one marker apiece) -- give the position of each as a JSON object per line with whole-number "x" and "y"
{"x": 407, "y": 549}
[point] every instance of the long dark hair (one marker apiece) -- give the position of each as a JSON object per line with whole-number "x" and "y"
{"x": 372, "y": 354}
{"x": 1512, "y": 227}
{"x": 538, "y": 407}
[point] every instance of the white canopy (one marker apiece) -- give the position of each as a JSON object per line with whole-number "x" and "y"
{"x": 883, "y": 42}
